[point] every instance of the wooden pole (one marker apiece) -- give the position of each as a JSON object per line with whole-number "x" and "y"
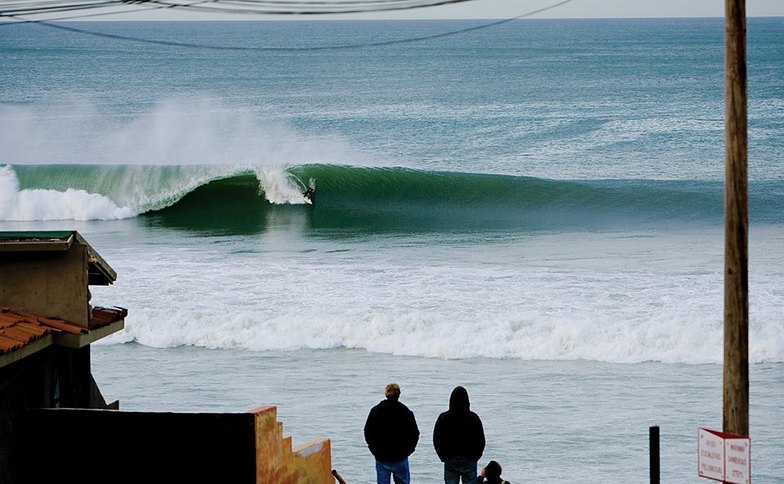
{"x": 736, "y": 276}
{"x": 338, "y": 477}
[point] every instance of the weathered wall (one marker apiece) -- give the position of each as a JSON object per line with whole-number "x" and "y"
{"x": 278, "y": 463}
{"x": 50, "y": 284}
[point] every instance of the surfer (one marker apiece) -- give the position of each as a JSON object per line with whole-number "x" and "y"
{"x": 308, "y": 194}
{"x": 309, "y": 191}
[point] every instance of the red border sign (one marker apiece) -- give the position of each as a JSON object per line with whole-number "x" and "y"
{"x": 723, "y": 457}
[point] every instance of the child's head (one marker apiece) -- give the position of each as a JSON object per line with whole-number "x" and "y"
{"x": 493, "y": 470}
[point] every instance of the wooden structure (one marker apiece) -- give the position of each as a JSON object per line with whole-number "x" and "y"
{"x": 55, "y": 425}
{"x": 49, "y": 273}
{"x": 736, "y": 223}
{"x": 46, "y": 327}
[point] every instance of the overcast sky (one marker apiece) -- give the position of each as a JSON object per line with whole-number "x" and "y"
{"x": 599, "y": 8}
{"x": 485, "y": 9}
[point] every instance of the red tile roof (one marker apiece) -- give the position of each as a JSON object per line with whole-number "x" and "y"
{"x": 20, "y": 328}
{"x": 103, "y": 316}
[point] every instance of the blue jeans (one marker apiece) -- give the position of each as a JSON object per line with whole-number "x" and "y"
{"x": 398, "y": 470}
{"x": 454, "y": 469}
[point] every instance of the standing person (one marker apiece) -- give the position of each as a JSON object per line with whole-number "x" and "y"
{"x": 391, "y": 434}
{"x": 459, "y": 439}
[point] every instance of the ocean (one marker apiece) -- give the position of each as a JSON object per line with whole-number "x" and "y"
{"x": 532, "y": 210}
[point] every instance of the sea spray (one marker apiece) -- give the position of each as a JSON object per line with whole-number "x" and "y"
{"x": 42, "y": 204}
{"x": 280, "y": 187}
{"x": 173, "y": 131}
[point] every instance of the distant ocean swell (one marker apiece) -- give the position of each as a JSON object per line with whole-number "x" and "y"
{"x": 219, "y": 196}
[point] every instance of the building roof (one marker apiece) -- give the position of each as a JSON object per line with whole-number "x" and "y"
{"x": 20, "y": 330}
{"x": 99, "y": 271}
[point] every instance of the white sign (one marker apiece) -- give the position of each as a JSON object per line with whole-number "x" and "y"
{"x": 710, "y": 455}
{"x": 724, "y": 457}
{"x": 737, "y": 456}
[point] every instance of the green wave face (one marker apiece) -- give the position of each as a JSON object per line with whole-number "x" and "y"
{"x": 411, "y": 200}
{"x": 234, "y": 206}
{"x": 379, "y": 200}
{"x": 369, "y": 200}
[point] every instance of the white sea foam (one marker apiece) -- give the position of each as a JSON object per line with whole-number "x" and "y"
{"x": 280, "y": 187}
{"x": 288, "y": 294}
{"x": 16, "y": 204}
{"x": 694, "y": 339}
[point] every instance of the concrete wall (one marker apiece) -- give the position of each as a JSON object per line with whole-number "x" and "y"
{"x": 53, "y": 284}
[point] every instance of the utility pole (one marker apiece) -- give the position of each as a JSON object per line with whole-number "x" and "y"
{"x": 736, "y": 223}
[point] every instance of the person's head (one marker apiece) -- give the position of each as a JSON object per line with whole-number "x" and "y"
{"x": 459, "y": 399}
{"x": 493, "y": 470}
{"x": 392, "y": 391}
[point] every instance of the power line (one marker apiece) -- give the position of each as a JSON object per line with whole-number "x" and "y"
{"x": 104, "y": 5}
{"x": 315, "y": 7}
{"x": 64, "y": 26}
{"x": 13, "y": 9}
{"x": 258, "y": 7}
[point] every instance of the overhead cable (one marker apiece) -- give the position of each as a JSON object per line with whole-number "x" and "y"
{"x": 257, "y": 7}
{"x": 65, "y": 26}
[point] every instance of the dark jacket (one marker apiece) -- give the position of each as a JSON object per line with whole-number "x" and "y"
{"x": 484, "y": 480}
{"x": 391, "y": 431}
{"x": 458, "y": 433}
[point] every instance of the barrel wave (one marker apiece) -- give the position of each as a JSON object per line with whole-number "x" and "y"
{"x": 238, "y": 199}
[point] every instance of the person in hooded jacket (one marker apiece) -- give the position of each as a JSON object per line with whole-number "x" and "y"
{"x": 391, "y": 434}
{"x": 459, "y": 438}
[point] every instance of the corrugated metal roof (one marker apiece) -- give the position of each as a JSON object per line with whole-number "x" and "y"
{"x": 20, "y": 328}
